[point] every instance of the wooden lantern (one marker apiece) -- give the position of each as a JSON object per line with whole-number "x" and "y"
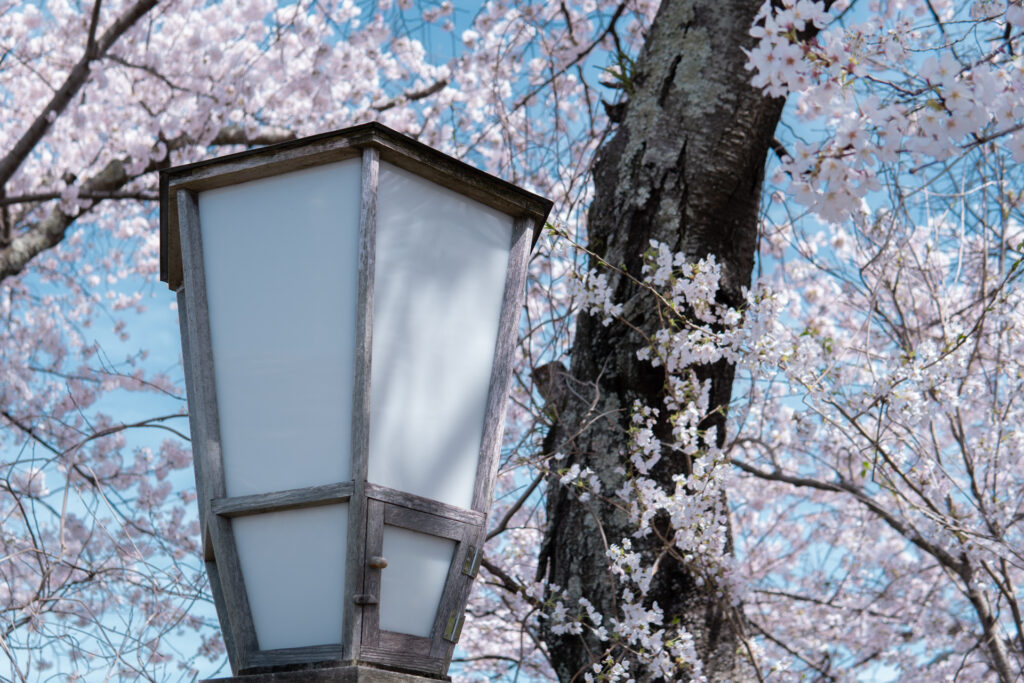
{"x": 348, "y": 305}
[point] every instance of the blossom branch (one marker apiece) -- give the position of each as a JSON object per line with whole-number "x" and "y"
{"x": 71, "y": 86}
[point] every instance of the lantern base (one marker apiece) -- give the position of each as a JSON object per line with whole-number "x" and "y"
{"x": 341, "y": 674}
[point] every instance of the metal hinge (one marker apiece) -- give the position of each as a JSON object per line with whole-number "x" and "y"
{"x": 471, "y": 565}
{"x": 454, "y": 628}
{"x": 364, "y": 599}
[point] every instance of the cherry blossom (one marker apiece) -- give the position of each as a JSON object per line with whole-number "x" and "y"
{"x": 872, "y": 456}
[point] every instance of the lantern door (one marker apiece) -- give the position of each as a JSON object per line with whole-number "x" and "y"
{"x": 419, "y": 567}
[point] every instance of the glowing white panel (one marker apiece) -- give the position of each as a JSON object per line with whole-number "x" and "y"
{"x": 412, "y": 583}
{"x": 293, "y": 564}
{"x": 281, "y": 258}
{"x": 441, "y": 260}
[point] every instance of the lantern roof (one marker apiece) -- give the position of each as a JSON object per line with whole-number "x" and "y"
{"x": 393, "y": 147}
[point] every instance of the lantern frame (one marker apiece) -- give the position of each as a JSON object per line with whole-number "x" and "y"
{"x": 370, "y": 506}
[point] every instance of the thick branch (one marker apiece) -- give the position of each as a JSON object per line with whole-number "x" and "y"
{"x": 36, "y": 197}
{"x": 71, "y": 86}
{"x": 107, "y": 184}
{"x": 49, "y": 231}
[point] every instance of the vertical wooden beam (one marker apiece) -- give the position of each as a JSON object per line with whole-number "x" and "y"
{"x": 192, "y": 398}
{"x": 370, "y": 597}
{"x": 504, "y": 357}
{"x": 355, "y": 565}
{"x": 223, "y": 613}
{"x": 206, "y": 425}
{"x": 456, "y": 590}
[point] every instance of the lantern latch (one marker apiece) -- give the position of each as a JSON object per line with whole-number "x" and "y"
{"x": 378, "y": 562}
{"x": 364, "y": 599}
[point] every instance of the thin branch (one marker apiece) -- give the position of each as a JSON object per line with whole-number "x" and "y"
{"x": 780, "y": 149}
{"x": 824, "y": 672}
{"x": 943, "y": 556}
{"x": 508, "y": 583}
{"x": 503, "y": 524}
{"x": 413, "y": 96}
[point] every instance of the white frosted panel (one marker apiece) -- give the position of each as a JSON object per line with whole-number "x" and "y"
{"x": 412, "y": 583}
{"x": 281, "y": 258}
{"x": 293, "y": 564}
{"x": 441, "y": 260}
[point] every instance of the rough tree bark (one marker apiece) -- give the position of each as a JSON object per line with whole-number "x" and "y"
{"x": 685, "y": 167}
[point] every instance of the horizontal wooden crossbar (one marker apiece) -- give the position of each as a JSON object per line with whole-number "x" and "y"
{"x": 276, "y": 501}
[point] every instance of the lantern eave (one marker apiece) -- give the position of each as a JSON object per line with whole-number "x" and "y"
{"x": 393, "y": 147}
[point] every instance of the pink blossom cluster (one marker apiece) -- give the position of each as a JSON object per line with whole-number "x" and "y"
{"x": 884, "y": 93}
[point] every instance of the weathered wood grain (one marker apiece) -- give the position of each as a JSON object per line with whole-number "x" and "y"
{"x": 207, "y": 448}
{"x": 424, "y": 522}
{"x": 223, "y": 614}
{"x": 355, "y": 564}
{"x": 294, "y": 655}
{"x": 428, "y": 505}
{"x": 401, "y": 660}
{"x": 405, "y": 645}
{"x": 262, "y": 163}
{"x": 456, "y": 591}
{"x": 193, "y": 402}
{"x": 276, "y": 501}
{"x": 501, "y": 370}
{"x": 331, "y": 674}
{"x": 232, "y": 586}
{"x": 370, "y": 635}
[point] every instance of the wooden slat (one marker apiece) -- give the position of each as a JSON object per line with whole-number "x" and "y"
{"x": 399, "y": 660}
{"x": 370, "y": 636}
{"x": 294, "y": 655}
{"x": 264, "y": 163}
{"x": 276, "y": 501}
{"x": 464, "y": 179}
{"x": 501, "y": 371}
{"x": 424, "y": 522}
{"x": 170, "y": 239}
{"x": 434, "y": 507}
{"x": 223, "y": 615}
{"x": 193, "y": 401}
{"x": 405, "y": 644}
{"x": 207, "y": 448}
{"x": 232, "y": 583}
{"x": 332, "y": 674}
{"x": 456, "y": 593}
{"x": 200, "y": 381}
{"x": 364, "y": 314}
{"x": 355, "y": 563}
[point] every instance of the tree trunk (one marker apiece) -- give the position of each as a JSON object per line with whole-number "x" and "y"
{"x": 685, "y": 167}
